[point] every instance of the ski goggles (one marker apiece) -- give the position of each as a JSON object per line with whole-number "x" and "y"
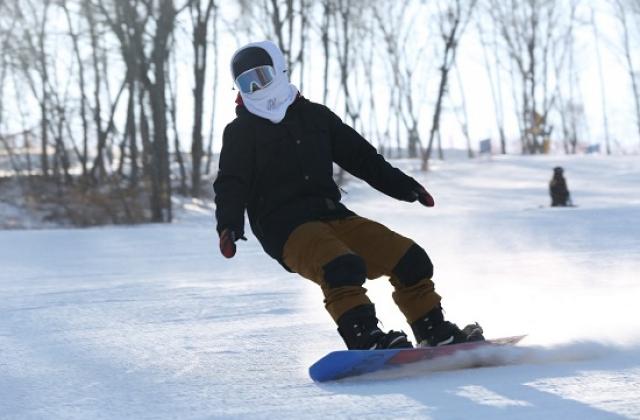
{"x": 255, "y": 79}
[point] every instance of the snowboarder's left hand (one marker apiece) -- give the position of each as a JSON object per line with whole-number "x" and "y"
{"x": 423, "y": 196}
{"x": 228, "y": 239}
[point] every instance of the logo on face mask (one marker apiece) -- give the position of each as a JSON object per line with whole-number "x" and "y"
{"x": 272, "y": 104}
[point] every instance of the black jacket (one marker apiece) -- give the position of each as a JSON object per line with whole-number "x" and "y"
{"x": 283, "y": 173}
{"x": 558, "y": 191}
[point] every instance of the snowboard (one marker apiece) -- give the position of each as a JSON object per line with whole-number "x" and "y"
{"x": 346, "y": 363}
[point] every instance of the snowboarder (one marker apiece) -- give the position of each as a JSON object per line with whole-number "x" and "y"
{"x": 277, "y": 163}
{"x": 558, "y": 189}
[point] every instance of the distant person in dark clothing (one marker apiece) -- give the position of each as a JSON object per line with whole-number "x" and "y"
{"x": 558, "y": 189}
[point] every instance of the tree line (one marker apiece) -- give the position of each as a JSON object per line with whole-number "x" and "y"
{"x": 89, "y": 88}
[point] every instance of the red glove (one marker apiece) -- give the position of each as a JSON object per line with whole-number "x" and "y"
{"x": 424, "y": 197}
{"x": 228, "y": 239}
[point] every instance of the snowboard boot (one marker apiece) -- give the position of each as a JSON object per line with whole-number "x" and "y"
{"x": 432, "y": 330}
{"x": 359, "y": 330}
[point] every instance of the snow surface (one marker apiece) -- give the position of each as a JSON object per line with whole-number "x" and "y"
{"x": 151, "y": 322}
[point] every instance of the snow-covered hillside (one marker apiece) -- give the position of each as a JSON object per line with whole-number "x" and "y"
{"x": 151, "y": 322}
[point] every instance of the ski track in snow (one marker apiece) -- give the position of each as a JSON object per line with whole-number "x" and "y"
{"x": 151, "y": 322}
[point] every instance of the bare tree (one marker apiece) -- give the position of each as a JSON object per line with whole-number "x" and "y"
{"x": 44, "y": 74}
{"x": 214, "y": 95}
{"x": 493, "y": 69}
{"x": 5, "y": 37}
{"x": 347, "y": 21}
{"x": 144, "y": 29}
{"x": 128, "y": 24}
{"x": 603, "y": 96}
{"x": 569, "y": 103}
{"x": 348, "y": 24}
{"x": 452, "y": 23}
{"x": 200, "y": 17}
{"x": 327, "y": 10}
{"x": 368, "y": 62}
{"x": 33, "y": 62}
{"x": 165, "y": 14}
{"x": 102, "y": 130}
{"x": 173, "y": 113}
{"x": 461, "y": 112}
{"x": 397, "y": 29}
{"x": 5, "y": 141}
{"x": 533, "y": 33}
{"x": 304, "y": 9}
{"x": 279, "y": 20}
{"x": 621, "y": 10}
{"x": 73, "y": 34}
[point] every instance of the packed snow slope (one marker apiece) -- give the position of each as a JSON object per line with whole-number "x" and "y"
{"x": 152, "y": 322}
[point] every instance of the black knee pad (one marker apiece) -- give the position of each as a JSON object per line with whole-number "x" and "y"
{"x": 345, "y": 270}
{"x": 414, "y": 266}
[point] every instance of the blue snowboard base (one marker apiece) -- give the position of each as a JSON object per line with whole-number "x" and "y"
{"x": 346, "y": 363}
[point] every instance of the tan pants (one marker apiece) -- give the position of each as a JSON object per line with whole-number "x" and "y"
{"x": 313, "y": 246}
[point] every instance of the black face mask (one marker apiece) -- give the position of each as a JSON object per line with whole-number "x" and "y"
{"x": 250, "y": 58}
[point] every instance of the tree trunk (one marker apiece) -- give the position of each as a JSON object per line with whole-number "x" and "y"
{"x": 44, "y": 122}
{"x": 603, "y": 97}
{"x": 98, "y": 163}
{"x": 435, "y": 122}
{"x": 324, "y": 34}
{"x": 200, "y": 47}
{"x": 161, "y": 210}
{"x": 214, "y": 100}
{"x": 131, "y": 131}
{"x": 630, "y": 67}
{"x": 83, "y": 97}
{"x": 176, "y": 138}
{"x": 496, "y": 91}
